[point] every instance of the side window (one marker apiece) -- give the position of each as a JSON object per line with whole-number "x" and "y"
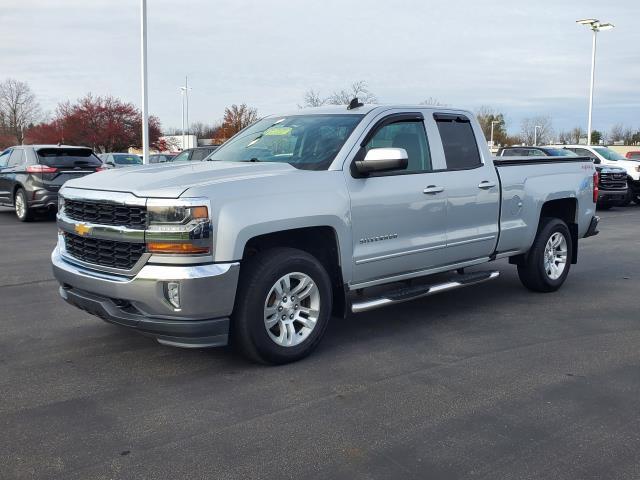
{"x": 459, "y": 142}
{"x": 16, "y": 158}
{"x": 583, "y": 152}
{"x": 182, "y": 157}
{"x": 409, "y": 135}
{"x": 512, "y": 152}
{"x": 200, "y": 154}
{"x": 4, "y": 158}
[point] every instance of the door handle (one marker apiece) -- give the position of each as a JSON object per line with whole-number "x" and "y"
{"x": 433, "y": 189}
{"x": 485, "y": 185}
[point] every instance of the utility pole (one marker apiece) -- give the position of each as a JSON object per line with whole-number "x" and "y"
{"x": 145, "y": 102}
{"x": 595, "y": 25}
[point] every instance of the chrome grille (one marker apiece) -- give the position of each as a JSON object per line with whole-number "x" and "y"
{"x": 105, "y": 253}
{"x": 613, "y": 181}
{"x": 103, "y": 213}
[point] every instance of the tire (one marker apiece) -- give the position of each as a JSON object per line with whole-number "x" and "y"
{"x": 636, "y": 199}
{"x": 21, "y": 207}
{"x": 536, "y": 273}
{"x": 286, "y": 340}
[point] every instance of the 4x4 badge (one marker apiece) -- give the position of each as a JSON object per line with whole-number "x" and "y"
{"x": 82, "y": 229}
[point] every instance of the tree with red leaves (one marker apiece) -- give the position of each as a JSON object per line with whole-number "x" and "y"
{"x": 105, "y": 124}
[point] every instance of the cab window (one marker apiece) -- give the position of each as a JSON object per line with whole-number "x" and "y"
{"x": 409, "y": 135}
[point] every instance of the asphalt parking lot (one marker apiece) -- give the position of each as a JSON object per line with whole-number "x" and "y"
{"x": 487, "y": 382}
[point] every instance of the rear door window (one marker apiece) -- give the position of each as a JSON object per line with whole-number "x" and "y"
{"x": 16, "y": 158}
{"x": 459, "y": 143}
{"x": 4, "y": 158}
{"x": 68, "y": 157}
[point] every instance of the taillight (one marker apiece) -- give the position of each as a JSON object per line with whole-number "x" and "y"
{"x": 41, "y": 169}
{"x": 596, "y": 180}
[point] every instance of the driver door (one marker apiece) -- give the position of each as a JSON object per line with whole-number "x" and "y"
{"x": 399, "y": 217}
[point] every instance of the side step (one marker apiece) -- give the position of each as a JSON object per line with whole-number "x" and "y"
{"x": 411, "y": 293}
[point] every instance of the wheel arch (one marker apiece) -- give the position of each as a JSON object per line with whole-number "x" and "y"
{"x": 320, "y": 241}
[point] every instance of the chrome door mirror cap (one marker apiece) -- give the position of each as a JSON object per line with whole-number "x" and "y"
{"x": 383, "y": 160}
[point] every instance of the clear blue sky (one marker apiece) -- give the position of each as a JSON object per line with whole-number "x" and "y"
{"x": 523, "y": 58}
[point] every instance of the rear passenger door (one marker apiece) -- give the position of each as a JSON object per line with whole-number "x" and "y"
{"x": 472, "y": 188}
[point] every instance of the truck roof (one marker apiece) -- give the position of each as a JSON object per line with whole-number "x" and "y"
{"x": 367, "y": 108}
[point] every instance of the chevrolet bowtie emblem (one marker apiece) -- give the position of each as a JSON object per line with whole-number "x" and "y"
{"x": 82, "y": 229}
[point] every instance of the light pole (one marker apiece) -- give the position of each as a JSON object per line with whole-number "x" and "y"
{"x": 493, "y": 122}
{"x": 595, "y": 25}
{"x": 184, "y": 90}
{"x": 145, "y": 106}
{"x": 535, "y": 134}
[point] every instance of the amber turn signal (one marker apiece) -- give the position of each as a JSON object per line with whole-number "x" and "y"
{"x": 161, "y": 247}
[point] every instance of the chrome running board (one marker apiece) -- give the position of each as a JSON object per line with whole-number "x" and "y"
{"x": 412, "y": 293}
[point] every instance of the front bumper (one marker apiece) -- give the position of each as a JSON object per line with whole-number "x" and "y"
{"x": 612, "y": 197}
{"x": 207, "y": 295}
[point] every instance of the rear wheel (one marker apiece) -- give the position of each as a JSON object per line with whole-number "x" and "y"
{"x": 547, "y": 264}
{"x": 23, "y": 212}
{"x": 283, "y": 306}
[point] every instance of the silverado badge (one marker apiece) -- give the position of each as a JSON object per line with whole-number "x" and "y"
{"x": 82, "y": 229}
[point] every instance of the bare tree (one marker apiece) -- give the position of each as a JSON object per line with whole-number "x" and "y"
{"x": 18, "y": 107}
{"x": 627, "y": 136}
{"x": 312, "y": 98}
{"x": 433, "y": 102}
{"x": 576, "y": 134}
{"x": 359, "y": 89}
{"x": 616, "y": 133}
{"x": 543, "y": 126}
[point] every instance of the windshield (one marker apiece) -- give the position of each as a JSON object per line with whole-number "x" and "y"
{"x": 608, "y": 154}
{"x": 308, "y": 142}
{"x": 559, "y": 152}
{"x": 125, "y": 159}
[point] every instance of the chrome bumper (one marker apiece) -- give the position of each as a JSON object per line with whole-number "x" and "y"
{"x": 207, "y": 295}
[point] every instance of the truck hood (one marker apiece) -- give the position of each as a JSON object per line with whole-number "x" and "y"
{"x": 172, "y": 180}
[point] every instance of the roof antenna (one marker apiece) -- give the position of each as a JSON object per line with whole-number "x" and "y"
{"x": 355, "y": 103}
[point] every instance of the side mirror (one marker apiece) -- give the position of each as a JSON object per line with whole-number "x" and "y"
{"x": 111, "y": 163}
{"x": 597, "y": 161}
{"x": 382, "y": 160}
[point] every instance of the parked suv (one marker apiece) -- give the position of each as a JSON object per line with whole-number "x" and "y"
{"x": 196, "y": 154}
{"x": 31, "y": 175}
{"x": 612, "y": 185}
{"x": 606, "y": 156}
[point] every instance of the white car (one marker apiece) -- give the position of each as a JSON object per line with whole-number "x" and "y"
{"x": 606, "y": 156}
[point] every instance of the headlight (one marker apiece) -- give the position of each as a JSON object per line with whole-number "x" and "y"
{"x": 178, "y": 229}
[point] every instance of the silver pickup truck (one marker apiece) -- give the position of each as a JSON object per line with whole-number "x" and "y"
{"x": 296, "y": 217}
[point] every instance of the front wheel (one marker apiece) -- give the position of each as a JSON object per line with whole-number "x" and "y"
{"x": 283, "y": 306}
{"x": 547, "y": 264}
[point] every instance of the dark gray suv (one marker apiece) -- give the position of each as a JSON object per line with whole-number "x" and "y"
{"x": 31, "y": 175}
